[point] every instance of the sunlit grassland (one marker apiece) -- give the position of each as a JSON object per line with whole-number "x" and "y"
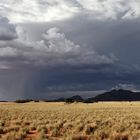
{"x": 77, "y": 121}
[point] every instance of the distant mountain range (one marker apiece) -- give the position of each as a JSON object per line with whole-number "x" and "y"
{"x": 113, "y": 95}
{"x": 73, "y": 98}
{"x": 117, "y": 95}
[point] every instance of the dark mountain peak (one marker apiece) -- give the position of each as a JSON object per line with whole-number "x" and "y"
{"x": 76, "y": 98}
{"x": 73, "y": 98}
{"x": 113, "y": 95}
{"x": 117, "y": 95}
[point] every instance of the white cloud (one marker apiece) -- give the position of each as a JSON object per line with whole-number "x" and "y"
{"x": 110, "y": 9}
{"x": 37, "y": 10}
{"x": 51, "y": 10}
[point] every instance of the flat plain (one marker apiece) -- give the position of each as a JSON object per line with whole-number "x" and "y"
{"x": 76, "y": 121}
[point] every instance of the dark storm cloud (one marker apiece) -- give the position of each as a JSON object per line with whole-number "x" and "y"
{"x": 7, "y": 30}
{"x": 94, "y": 46}
{"x": 48, "y": 83}
{"x": 120, "y": 37}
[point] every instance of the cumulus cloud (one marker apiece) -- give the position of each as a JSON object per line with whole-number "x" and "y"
{"x": 53, "y": 50}
{"x": 7, "y": 30}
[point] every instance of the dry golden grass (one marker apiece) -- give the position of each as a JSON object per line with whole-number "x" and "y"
{"x": 77, "y": 121}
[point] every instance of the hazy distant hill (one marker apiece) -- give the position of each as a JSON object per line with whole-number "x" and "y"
{"x": 117, "y": 95}
{"x": 76, "y": 98}
{"x": 59, "y": 100}
{"x": 73, "y": 98}
{"x": 113, "y": 95}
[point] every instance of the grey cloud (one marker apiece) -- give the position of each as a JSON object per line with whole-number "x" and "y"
{"x": 54, "y": 50}
{"x": 7, "y": 30}
{"x": 104, "y": 37}
{"x": 96, "y": 48}
{"x": 126, "y": 86}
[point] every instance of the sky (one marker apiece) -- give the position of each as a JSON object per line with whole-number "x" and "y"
{"x": 60, "y": 48}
